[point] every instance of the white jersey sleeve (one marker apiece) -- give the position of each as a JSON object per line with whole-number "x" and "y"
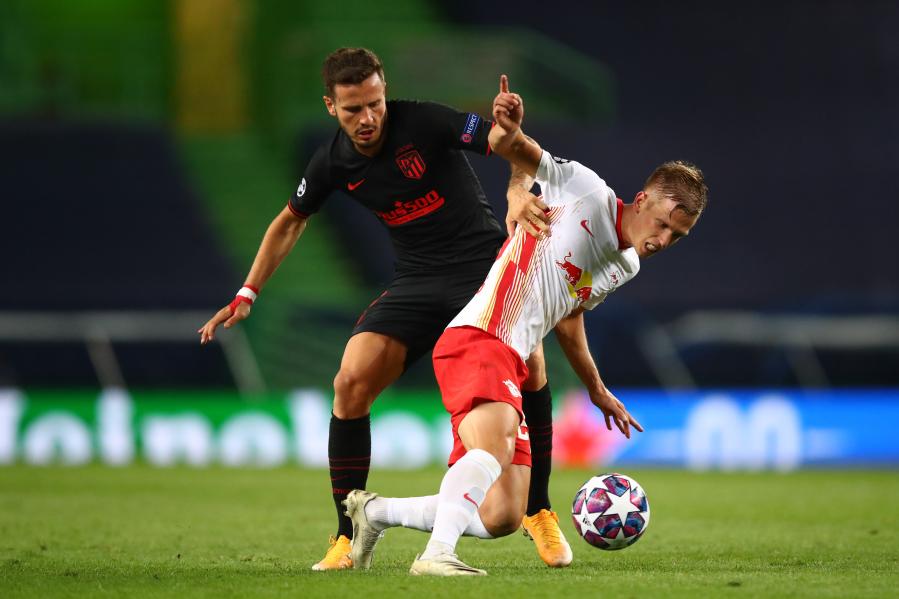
{"x": 535, "y": 283}
{"x": 594, "y": 300}
{"x": 560, "y": 178}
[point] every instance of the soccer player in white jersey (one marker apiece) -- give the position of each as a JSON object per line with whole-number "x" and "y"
{"x": 533, "y": 287}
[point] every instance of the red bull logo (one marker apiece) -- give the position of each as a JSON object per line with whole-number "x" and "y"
{"x": 580, "y": 282}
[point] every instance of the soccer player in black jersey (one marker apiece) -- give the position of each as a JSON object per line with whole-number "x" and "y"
{"x": 403, "y": 160}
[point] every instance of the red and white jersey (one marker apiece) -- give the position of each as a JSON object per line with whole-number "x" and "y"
{"x": 534, "y": 284}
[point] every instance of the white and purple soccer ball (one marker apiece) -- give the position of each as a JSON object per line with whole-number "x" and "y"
{"x": 610, "y": 511}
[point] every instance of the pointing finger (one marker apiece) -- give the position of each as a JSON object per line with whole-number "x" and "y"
{"x": 503, "y": 84}
{"x": 636, "y": 424}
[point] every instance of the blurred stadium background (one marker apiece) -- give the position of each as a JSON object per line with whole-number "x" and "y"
{"x": 146, "y": 145}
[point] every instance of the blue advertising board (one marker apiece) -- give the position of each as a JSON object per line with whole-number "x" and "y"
{"x": 702, "y": 430}
{"x": 736, "y": 429}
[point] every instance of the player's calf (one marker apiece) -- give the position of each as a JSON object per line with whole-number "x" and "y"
{"x": 504, "y": 506}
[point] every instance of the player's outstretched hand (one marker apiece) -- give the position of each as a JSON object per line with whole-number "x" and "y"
{"x": 225, "y": 316}
{"x": 614, "y": 410}
{"x": 528, "y": 211}
{"x": 508, "y": 108}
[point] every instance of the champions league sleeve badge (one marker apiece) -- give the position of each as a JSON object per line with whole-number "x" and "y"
{"x": 470, "y": 125}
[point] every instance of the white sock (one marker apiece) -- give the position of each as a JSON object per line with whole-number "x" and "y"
{"x": 417, "y": 513}
{"x": 462, "y": 491}
{"x": 477, "y": 529}
{"x": 408, "y": 512}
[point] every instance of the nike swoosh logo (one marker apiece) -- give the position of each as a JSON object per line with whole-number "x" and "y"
{"x": 352, "y": 186}
{"x": 468, "y": 497}
{"x": 584, "y": 224}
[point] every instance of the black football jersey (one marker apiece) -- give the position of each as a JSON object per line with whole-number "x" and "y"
{"x": 420, "y": 186}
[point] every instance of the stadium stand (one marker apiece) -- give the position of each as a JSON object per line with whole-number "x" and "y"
{"x": 101, "y": 217}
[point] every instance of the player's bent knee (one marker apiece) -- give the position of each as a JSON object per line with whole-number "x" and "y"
{"x": 501, "y": 520}
{"x": 504, "y": 506}
{"x": 352, "y": 395}
{"x": 502, "y": 515}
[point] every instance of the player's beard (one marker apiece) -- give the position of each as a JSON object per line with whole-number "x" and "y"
{"x": 367, "y": 142}
{"x": 372, "y": 145}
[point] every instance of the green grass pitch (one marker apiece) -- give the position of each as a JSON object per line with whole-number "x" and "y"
{"x": 138, "y": 531}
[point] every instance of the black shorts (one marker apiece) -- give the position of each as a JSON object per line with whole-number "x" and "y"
{"x": 417, "y": 306}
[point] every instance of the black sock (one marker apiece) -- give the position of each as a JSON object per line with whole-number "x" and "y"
{"x": 538, "y": 413}
{"x": 349, "y": 456}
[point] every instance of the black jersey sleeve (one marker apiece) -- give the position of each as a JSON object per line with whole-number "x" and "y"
{"x": 454, "y": 129}
{"x": 315, "y": 187}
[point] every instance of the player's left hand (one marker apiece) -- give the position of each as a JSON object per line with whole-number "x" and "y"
{"x": 528, "y": 211}
{"x": 227, "y": 316}
{"x": 613, "y": 409}
{"x": 508, "y": 108}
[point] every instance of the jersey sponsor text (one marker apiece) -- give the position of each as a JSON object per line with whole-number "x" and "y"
{"x": 404, "y": 212}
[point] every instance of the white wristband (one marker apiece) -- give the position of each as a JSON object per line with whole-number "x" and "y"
{"x": 247, "y": 293}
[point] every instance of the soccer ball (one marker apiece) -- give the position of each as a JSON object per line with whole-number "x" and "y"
{"x": 610, "y": 511}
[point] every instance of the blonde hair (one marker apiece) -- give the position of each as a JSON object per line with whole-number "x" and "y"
{"x": 682, "y": 182}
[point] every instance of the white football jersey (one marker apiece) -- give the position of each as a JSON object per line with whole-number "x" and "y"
{"x": 534, "y": 284}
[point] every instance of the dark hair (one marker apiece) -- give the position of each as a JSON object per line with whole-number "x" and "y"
{"x": 682, "y": 182}
{"x": 348, "y": 66}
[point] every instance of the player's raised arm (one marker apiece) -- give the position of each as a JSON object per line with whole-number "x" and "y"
{"x": 573, "y": 341}
{"x": 279, "y": 239}
{"x": 506, "y": 138}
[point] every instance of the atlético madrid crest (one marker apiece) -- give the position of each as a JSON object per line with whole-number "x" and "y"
{"x": 411, "y": 164}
